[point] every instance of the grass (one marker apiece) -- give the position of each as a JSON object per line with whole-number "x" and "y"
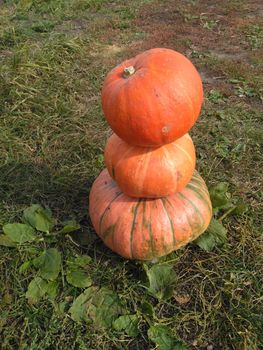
{"x": 53, "y": 58}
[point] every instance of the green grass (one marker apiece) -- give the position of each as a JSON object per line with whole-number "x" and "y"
{"x": 53, "y": 58}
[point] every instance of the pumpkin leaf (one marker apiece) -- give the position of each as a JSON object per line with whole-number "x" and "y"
{"x": 39, "y": 218}
{"x": 36, "y": 290}
{"x": 25, "y": 266}
{"x": 215, "y": 235}
{"x": 76, "y": 275}
{"x": 6, "y": 241}
{"x": 162, "y": 280}
{"x": 161, "y": 336}
{"x": 240, "y": 208}
{"x": 69, "y": 226}
{"x": 79, "y": 261}
{"x": 78, "y": 278}
{"x": 19, "y": 233}
{"x": 128, "y": 324}
{"x": 147, "y": 308}
{"x": 52, "y": 289}
{"x": 78, "y": 309}
{"x": 106, "y": 307}
{"x": 49, "y": 263}
{"x": 220, "y": 196}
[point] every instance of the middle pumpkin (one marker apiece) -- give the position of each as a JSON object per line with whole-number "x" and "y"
{"x": 150, "y": 172}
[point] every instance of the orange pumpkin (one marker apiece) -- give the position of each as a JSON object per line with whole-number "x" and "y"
{"x": 150, "y": 172}
{"x": 153, "y": 98}
{"x": 147, "y": 228}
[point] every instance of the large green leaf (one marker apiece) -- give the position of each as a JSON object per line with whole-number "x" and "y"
{"x": 215, "y": 235}
{"x": 52, "y": 289}
{"x": 161, "y": 336}
{"x": 49, "y": 263}
{"x": 78, "y": 310}
{"x": 19, "y": 233}
{"x": 78, "y": 278}
{"x": 70, "y": 226}
{"x": 128, "y": 324}
{"x": 6, "y": 241}
{"x": 36, "y": 290}
{"x": 39, "y": 218}
{"x": 220, "y": 196}
{"x": 162, "y": 279}
{"x": 79, "y": 261}
{"x": 106, "y": 307}
{"x": 76, "y": 274}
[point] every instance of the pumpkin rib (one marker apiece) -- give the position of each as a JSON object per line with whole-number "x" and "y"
{"x": 198, "y": 193}
{"x": 149, "y": 227}
{"x": 107, "y": 209}
{"x": 169, "y": 218}
{"x": 193, "y": 205}
{"x": 123, "y": 156}
{"x": 184, "y": 151}
{"x": 133, "y": 225}
{"x": 142, "y": 176}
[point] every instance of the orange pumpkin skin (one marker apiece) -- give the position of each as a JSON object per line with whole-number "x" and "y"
{"x": 156, "y": 104}
{"x": 150, "y": 172}
{"x": 144, "y": 229}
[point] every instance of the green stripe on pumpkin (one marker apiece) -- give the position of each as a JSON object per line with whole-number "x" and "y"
{"x": 200, "y": 195}
{"x": 107, "y": 210}
{"x": 134, "y": 211}
{"x": 170, "y": 220}
{"x": 195, "y": 207}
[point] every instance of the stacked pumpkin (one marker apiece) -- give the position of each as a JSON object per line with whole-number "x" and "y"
{"x": 150, "y": 200}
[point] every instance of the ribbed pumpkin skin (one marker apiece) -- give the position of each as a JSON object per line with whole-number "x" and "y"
{"x": 157, "y": 104}
{"x": 147, "y": 228}
{"x": 150, "y": 172}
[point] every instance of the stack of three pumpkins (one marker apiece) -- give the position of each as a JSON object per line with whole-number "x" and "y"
{"x": 150, "y": 200}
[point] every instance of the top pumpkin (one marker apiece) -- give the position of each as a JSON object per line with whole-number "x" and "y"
{"x": 153, "y": 98}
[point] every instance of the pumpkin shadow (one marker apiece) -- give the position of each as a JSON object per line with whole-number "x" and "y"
{"x": 22, "y": 184}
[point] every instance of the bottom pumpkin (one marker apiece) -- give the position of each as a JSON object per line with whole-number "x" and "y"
{"x": 143, "y": 229}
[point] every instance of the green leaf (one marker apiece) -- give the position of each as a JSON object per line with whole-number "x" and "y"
{"x": 29, "y": 214}
{"x": 49, "y": 263}
{"x": 6, "y": 241}
{"x": 161, "y": 336}
{"x": 70, "y": 226}
{"x": 240, "y": 208}
{"x": 36, "y": 290}
{"x": 43, "y": 222}
{"x": 215, "y": 235}
{"x": 220, "y": 198}
{"x": 79, "y": 278}
{"x": 39, "y": 218}
{"x": 52, "y": 289}
{"x": 78, "y": 310}
{"x": 128, "y": 324}
{"x": 162, "y": 280}
{"x": 79, "y": 261}
{"x": 25, "y": 266}
{"x": 147, "y": 308}
{"x": 76, "y": 275}
{"x": 106, "y": 307}
{"x": 19, "y": 233}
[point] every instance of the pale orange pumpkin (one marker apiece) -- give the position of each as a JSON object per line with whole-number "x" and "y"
{"x": 144, "y": 229}
{"x": 153, "y": 98}
{"x": 150, "y": 172}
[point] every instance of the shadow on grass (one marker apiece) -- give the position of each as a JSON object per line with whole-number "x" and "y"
{"x": 22, "y": 184}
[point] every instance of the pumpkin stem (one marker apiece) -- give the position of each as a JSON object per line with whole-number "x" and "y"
{"x": 128, "y": 71}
